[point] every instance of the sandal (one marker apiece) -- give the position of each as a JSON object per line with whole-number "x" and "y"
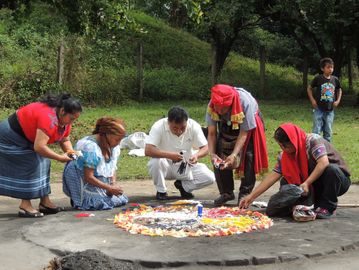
{"x": 26, "y": 214}
{"x": 48, "y": 210}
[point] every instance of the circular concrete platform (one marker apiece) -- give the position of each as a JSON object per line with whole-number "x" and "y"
{"x": 287, "y": 240}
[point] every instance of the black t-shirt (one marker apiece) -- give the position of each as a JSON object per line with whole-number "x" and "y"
{"x": 326, "y": 91}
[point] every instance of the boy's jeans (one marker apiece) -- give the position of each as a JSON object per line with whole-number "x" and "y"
{"x": 323, "y": 121}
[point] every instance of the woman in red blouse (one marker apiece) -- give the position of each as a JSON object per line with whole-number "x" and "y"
{"x": 25, "y": 155}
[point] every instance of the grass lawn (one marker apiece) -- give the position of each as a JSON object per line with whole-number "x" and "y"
{"x": 140, "y": 117}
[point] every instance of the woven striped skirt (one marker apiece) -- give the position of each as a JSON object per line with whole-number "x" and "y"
{"x": 24, "y": 174}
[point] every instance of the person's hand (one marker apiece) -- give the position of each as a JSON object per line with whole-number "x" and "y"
{"x": 217, "y": 161}
{"x": 305, "y": 188}
{"x": 314, "y": 104}
{"x": 246, "y": 202}
{"x": 176, "y": 157}
{"x": 214, "y": 158}
{"x": 229, "y": 162}
{"x": 112, "y": 180}
{"x": 193, "y": 159}
{"x": 114, "y": 190}
{"x": 335, "y": 104}
{"x": 64, "y": 158}
{"x": 73, "y": 154}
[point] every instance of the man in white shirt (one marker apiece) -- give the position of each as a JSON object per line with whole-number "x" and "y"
{"x": 171, "y": 144}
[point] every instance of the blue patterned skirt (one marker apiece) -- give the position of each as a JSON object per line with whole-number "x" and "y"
{"x": 86, "y": 196}
{"x": 24, "y": 174}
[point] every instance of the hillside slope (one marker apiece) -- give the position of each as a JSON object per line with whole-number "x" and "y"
{"x": 104, "y": 70}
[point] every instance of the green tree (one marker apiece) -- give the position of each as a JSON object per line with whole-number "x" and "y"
{"x": 91, "y": 17}
{"x": 14, "y": 4}
{"x": 330, "y": 26}
{"x": 179, "y": 13}
{"x": 222, "y": 21}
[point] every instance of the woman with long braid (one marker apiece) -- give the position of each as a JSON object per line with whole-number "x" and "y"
{"x": 90, "y": 180}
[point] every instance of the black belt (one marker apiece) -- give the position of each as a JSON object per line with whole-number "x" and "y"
{"x": 15, "y": 125}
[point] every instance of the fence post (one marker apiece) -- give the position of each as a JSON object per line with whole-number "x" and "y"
{"x": 60, "y": 62}
{"x": 140, "y": 70}
{"x": 262, "y": 70}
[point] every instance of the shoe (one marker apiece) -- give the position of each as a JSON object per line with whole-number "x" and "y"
{"x": 184, "y": 194}
{"x": 48, "y": 210}
{"x": 323, "y": 213}
{"x": 161, "y": 196}
{"x": 223, "y": 198}
{"x": 26, "y": 214}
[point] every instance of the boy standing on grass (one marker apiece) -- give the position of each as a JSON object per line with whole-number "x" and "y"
{"x": 326, "y": 97}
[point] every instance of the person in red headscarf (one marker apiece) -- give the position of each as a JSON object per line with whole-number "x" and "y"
{"x": 236, "y": 140}
{"x": 308, "y": 161}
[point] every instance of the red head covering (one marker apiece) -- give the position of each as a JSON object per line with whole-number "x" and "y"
{"x": 295, "y": 166}
{"x": 226, "y": 96}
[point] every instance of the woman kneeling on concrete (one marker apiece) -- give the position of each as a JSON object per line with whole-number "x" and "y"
{"x": 90, "y": 180}
{"x": 308, "y": 161}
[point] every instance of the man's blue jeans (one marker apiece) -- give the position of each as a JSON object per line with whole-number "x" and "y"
{"x": 323, "y": 122}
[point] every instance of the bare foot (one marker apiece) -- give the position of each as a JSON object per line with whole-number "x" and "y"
{"x": 27, "y": 206}
{"x": 45, "y": 201}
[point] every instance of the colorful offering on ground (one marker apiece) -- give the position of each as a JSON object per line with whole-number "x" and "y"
{"x": 182, "y": 220}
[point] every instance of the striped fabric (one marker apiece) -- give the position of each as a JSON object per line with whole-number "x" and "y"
{"x": 24, "y": 174}
{"x": 86, "y": 196}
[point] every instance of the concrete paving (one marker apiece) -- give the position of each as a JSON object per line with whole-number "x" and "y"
{"x": 32, "y": 243}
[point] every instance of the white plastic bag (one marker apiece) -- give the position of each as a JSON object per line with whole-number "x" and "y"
{"x": 134, "y": 141}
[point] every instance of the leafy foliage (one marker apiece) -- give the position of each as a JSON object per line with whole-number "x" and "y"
{"x": 178, "y": 13}
{"x": 26, "y": 71}
{"x": 91, "y": 17}
{"x": 101, "y": 68}
{"x": 327, "y": 27}
{"x": 221, "y": 25}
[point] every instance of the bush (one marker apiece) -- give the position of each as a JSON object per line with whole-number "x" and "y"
{"x": 28, "y": 65}
{"x": 109, "y": 86}
{"x": 25, "y": 89}
{"x": 168, "y": 83}
{"x": 281, "y": 82}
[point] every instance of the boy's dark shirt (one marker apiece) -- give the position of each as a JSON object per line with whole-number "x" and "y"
{"x": 326, "y": 91}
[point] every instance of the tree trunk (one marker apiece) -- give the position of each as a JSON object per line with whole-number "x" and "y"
{"x": 262, "y": 71}
{"x": 219, "y": 56}
{"x": 338, "y": 64}
{"x": 220, "y": 53}
{"x": 350, "y": 71}
{"x": 214, "y": 69}
{"x": 178, "y": 14}
{"x": 339, "y": 54}
{"x": 305, "y": 73}
{"x": 140, "y": 70}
